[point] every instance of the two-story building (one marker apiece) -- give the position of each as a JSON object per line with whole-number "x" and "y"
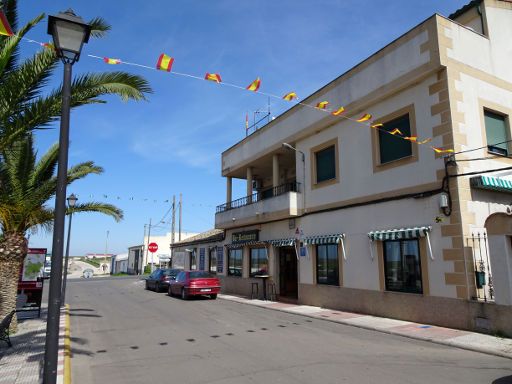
{"x": 362, "y": 217}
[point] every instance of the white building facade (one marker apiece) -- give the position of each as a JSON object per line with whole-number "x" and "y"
{"x": 353, "y": 217}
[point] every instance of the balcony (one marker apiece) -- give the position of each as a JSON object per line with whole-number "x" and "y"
{"x": 275, "y": 203}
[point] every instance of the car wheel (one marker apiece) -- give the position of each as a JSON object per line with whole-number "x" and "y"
{"x": 213, "y": 297}
{"x": 157, "y": 287}
{"x": 169, "y": 292}
{"x": 184, "y": 295}
{"x": 147, "y": 286}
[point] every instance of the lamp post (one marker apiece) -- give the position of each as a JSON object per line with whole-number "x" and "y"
{"x": 303, "y": 157}
{"x": 69, "y": 33}
{"x": 71, "y": 204}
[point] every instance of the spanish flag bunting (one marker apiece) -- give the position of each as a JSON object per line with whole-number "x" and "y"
{"x": 411, "y": 138}
{"x": 5, "y": 28}
{"x": 376, "y": 126}
{"x": 440, "y": 150}
{"x": 338, "y": 112}
{"x": 425, "y": 141}
{"x": 48, "y": 45}
{"x": 396, "y": 131}
{"x": 322, "y": 105}
{"x": 364, "y": 118}
{"x": 213, "y": 77}
{"x": 290, "y": 96}
{"x": 255, "y": 85}
{"x": 108, "y": 60}
{"x": 164, "y": 62}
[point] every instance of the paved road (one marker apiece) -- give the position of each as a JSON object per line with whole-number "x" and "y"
{"x": 124, "y": 334}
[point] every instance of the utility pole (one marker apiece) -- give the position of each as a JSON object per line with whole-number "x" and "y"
{"x": 149, "y": 239}
{"x": 181, "y": 202}
{"x": 105, "y": 256}
{"x": 173, "y": 224}
{"x": 142, "y": 253}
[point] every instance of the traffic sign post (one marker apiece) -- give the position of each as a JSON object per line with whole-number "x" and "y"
{"x": 152, "y": 247}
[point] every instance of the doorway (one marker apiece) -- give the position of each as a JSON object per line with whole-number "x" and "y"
{"x": 288, "y": 283}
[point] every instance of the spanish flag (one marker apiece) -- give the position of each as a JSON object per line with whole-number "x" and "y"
{"x": 5, "y": 28}
{"x": 213, "y": 77}
{"x": 396, "y": 131}
{"x": 290, "y": 96}
{"x": 365, "y": 117}
{"x": 440, "y": 150}
{"x": 255, "y": 85}
{"x": 48, "y": 45}
{"x": 322, "y": 105}
{"x": 411, "y": 138}
{"x": 377, "y": 126}
{"x": 108, "y": 60}
{"x": 164, "y": 63}
{"x": 338, "y": 112}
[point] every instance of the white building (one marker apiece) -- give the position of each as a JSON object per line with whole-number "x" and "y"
{"x": 359, "y": 219}
{"x": 120, "y": 263}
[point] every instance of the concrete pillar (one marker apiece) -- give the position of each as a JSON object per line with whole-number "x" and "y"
{"x": 249, "y": 181}
{"x": 275, "y": 170}
{"x": 229, "y": 190}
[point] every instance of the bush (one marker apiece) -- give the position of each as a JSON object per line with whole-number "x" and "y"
{"x": 147, "y": 269}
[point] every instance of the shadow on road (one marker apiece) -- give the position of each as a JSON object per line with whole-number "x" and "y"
{"x": 84, "y": 315}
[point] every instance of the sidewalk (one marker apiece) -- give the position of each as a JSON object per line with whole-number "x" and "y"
{"x": 23, "y": 363}
{"x": 461, "y": 339}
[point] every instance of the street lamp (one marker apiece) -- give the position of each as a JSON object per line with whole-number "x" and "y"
{"x": 303, "y": 157}
{"x": 71, "y": 204}
{"x": 69, "y": 33}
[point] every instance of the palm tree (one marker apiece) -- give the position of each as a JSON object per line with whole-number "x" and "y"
{"x": 27, "y": 185}
{"x": 24, "y": 106}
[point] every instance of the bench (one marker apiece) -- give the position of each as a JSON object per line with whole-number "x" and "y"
{"x": 4, "y": 328}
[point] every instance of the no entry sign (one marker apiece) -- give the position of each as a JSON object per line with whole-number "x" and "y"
{"x": 153, "y": 247}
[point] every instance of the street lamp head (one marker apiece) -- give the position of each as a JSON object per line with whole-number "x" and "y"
{"x": 69, "y": 33}
{"x": 288, "y": 146}
{"x": 72, "y": 199}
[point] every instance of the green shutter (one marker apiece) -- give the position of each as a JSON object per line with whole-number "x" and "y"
{"x": 496, "y": 132}
{"x": 325, "y": 164}
{"x": 393, "y": 147}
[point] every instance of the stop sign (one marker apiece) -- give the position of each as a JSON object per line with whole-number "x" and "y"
{"x": 153, "y": 247}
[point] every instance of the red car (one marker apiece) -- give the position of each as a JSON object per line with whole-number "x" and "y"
{"x": 194, "y": 283}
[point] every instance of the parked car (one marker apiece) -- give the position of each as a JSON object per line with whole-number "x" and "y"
{"x": 192, "y": 283}
{"x": 160, "y": 278}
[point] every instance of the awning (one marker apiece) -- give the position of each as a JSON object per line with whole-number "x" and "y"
{"x": 241, "y": 245}
{"x": 324, "y": 239}
{"x": 282, "y": 242}
{"x": 398, "y": 234}
{"x": 492, "y": 183}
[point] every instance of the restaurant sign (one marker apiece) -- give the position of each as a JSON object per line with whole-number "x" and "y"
{"x": 245, "y": 237}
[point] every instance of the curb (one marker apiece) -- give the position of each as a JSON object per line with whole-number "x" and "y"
{"x": 450, "y": 343}
{"x": 64, "y": 353}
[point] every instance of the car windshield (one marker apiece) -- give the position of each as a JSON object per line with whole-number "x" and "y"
{"x": 171, "y": 272}
{"x": 199, "y": 274}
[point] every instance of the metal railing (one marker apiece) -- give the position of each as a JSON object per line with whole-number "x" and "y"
{"x": 482, "y": 266}
{"x": 258, "y": 196}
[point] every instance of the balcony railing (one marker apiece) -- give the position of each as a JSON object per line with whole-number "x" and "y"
{"x": 258, "y": 196}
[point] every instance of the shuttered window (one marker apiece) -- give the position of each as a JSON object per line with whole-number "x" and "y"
{"x": 496, "y": 132}
{"x": 325, "y": 164}
{"x": 393, "y": 147}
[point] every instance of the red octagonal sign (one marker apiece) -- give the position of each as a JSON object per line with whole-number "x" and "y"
{"x": 153, "y": 247}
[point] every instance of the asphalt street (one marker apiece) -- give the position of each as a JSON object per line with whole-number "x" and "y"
{"x": 122, "y": 333}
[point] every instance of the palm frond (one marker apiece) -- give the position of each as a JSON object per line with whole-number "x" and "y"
{"x": 99, "y": 27}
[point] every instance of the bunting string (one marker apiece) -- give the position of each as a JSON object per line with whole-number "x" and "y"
{"x": 165, "y": 63}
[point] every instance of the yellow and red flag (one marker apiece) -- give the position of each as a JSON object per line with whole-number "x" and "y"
{"x": 290, "y": 96}
{"x": 425, "y": 141}
{"x": 365, "y": 117}
{"x": 213, "y": 77}
{"x": 164, "y": 63}
{"x": 440, "y": 150}
{"x": 322, "y": 105}
{"x": 411, "y": 138}
{"x": 338, "y": 112}
{"x": 108, "y": 60}
{"x": 396, "y": 131}
{"x": 377, "y": 126}
{"x": 5, "y": 28}
{"x": 254, "y": 86}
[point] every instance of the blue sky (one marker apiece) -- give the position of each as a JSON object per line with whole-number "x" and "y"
{"x": 172, "y": 143}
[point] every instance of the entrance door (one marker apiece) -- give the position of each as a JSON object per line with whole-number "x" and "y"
{"x": 288, "y": 284}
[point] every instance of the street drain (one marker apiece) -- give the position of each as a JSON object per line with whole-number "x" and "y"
{"x": 309, "y": 321}
{"x": 295, "y": 323}
{"x": 264, "y": 329}
{"x": 214, "y": 336}
{"x": 229, "y": 334}
{"x": 164, "y": 343}
{"x": 191, "y": 340}
{"x": 282, "y": 326}
{"x": 250, "y": 330}
{"x": 101, "y": 351}
{"x": 134, "y": 347}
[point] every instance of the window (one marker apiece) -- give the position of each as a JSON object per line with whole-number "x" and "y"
{"x": 213, "y": 261}
{"x": 259, "y": 261}
{"x": 193, "y": 259}
{"x": 392, "y": 147}
{"x": 325, "y": 161}
{"x": 235, "y": 262}
{"x": 182, "y": 276}
{"x": 496, "y": 132}
{"x": 402, "y": 267}
{"x": 327, "y": 266}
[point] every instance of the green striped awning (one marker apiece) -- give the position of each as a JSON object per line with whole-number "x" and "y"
{"x": 249, "y": 243}
{"x": 398, "y": 234}
{"x": 282, "y": 242}
{"x": 324, "y": 239}
{"x": 492, "y": 183}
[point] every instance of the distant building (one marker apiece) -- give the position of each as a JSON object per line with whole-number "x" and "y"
{"x": 120, "y": 263}
{"x": 198, "y": 252}
{"x": 135, "y": 256}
